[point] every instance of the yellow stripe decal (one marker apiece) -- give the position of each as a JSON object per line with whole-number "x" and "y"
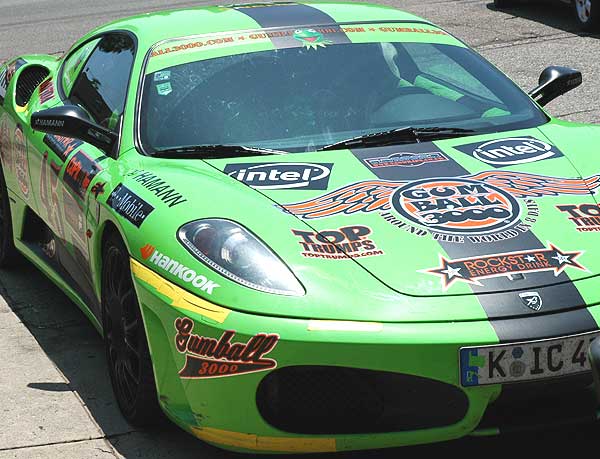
{"x": 257, "y": 443}
{"x": 180, "y": 298}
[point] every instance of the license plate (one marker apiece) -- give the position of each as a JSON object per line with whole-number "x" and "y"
{"x": 526, "y": 361}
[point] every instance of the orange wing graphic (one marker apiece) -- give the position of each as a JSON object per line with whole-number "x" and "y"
{"x": 366, "y": 196}
{"x": 372, "y": 195}
{"x": 523, "y": 185}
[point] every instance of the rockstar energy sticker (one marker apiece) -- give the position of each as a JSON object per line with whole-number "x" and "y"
{"x": 340, "y": 244}
{"x": 472, "y": 270}
{"x": 585, "y": 217}
{"x": 213, "y": 358}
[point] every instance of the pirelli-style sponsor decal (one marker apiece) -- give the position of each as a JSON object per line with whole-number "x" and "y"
{"x": 406, "y": 159}
{"x": 5, "y": 154}
{"x": 46, "y": 91}
{"x": 163, "y": 190}
{"x": 213, "y": 358}
{"x": 282, "y": 176}
{"x": 62, "y": 146}
{"x": 129, "y": 205}
{"x": 585, "y": 217}
{"x": 178, "y": 269}
{"x": 482, "y": 207}
{"x": 510, "y": 151}
{"x": 21, "y": 163}
{"x": 79, "y": 173}
{"x": 338, "y": 244}
{"x": 7, "y": 74}
{"x": 473, "y": 270}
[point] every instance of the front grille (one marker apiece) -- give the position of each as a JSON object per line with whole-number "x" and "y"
{"x": 553, "y": 402}
{"x": 339, "y": 400}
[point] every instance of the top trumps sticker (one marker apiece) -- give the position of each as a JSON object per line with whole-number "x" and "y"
{"x": 510, "y": 151}
{"x": 278, "y": 176}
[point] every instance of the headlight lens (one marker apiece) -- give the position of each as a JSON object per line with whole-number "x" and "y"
{"x": 233, "y": 251}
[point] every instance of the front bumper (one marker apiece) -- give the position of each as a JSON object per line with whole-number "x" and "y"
{"x": 221, "y": 403}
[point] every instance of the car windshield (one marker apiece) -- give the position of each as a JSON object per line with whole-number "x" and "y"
{"x": 313, "y": 92}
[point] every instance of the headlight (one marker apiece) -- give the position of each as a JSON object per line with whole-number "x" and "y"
{"x": 233, "y": 251}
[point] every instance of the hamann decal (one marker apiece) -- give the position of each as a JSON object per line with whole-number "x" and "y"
{"x": 277, "y": 176}
{"x": 129, "y": 205}
{"x": 158, "y": 186}
{"x": 514, "y": 150}
{"x": 405, "y": 159}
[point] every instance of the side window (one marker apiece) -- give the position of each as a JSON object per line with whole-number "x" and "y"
{"x": 432, "y": 61}
{"x": 74, "y": 64}
{"x": 101, "y": 87}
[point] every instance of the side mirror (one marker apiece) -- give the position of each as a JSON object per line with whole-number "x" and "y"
{"x": 72, "y": 121}
{"x": 555, "y": 81}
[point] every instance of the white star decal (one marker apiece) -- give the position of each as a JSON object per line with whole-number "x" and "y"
{"x": 562, "y": 259}
{"x": 530, "y": 259}
{"x": 452, "y": 272}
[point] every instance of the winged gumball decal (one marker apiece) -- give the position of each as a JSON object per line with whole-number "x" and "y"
{"x": 374, "y": 195}
{"x": 523, "y": 185}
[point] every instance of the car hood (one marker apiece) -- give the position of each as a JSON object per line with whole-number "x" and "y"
{"x": 490, "y": 214}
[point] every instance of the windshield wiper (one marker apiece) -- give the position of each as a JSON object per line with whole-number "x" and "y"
{"x": 400, "y": 135}
{"x": 214, "y": 151}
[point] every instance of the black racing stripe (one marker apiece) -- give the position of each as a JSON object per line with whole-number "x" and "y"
{"x": 544, "y": 326}
{"x": 511, "y": 319}
{"x": 293, "y": 15}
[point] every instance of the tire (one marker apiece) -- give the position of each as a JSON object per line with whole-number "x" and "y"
{"x": 8, "y": 253}
{"x": 587, "y": 15}
{"x": 503, "y": 4}
{"x": 127, "y": 353}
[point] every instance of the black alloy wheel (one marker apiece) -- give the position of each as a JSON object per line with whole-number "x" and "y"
{"x": 127, "y": 354}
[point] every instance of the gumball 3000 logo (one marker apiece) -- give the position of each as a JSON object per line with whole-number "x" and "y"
{"x": 456, "y": 205}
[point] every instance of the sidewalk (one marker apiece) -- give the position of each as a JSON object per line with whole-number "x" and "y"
{"x": 55, "y": 394}
{"x": 40, "y": 414}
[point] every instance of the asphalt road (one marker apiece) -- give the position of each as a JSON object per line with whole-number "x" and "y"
{"x": 55, "y": 396}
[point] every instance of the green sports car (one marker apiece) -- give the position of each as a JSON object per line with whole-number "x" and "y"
{"x": 310, "y": 227}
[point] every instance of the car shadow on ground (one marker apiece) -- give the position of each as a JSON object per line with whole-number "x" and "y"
{"x": 76, "y": 349}
{"x": 553, "y": 13}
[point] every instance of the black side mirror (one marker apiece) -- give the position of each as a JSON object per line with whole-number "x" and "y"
{"x": 555, "y": 81}
{"x": 72, "y": 121}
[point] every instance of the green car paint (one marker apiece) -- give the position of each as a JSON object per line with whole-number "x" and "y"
{"x": 385, "y": 304}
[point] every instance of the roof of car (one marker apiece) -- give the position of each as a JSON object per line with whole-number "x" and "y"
{"x": 157, "y": 26}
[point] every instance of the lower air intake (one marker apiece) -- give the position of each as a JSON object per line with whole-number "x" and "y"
{"x": 339, "y": 400}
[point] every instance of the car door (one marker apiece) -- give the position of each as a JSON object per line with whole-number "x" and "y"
{"x": 95, "y": 76}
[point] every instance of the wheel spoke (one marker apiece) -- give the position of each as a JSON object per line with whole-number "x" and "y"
{"x": 131, "y": 348}
{"x": 131, "y": 326}
{"x": 129, "y": 371}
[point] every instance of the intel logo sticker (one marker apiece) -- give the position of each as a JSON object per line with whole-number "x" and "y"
{"x": 510, "y": 151}
{"x": 279, "y": 176}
